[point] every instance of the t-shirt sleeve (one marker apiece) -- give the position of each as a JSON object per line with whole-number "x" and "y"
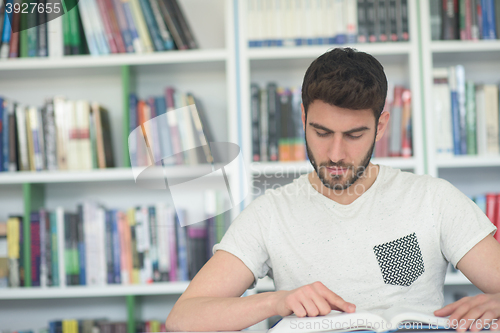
{"x": 462, "y": 223}
{"x": 246, "y": 239}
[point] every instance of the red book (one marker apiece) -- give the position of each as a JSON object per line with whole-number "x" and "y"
{"x": 35, "y": 248}
{"x": 115, "y": 28}
{"x": 497, "y": 220}
{"x": 490, "y": 207}
{"x": 107, "y": 26}
{"x": 14, "y": 35}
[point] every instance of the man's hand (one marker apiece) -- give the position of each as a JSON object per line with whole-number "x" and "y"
{"x": 474, "y": 313}
{"x": 310, "y": 300}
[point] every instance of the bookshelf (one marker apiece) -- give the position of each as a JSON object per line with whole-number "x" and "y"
{"x": 207, "y": 72}
{"x": 472, "y": 174}
{"x": 219, "y": 73}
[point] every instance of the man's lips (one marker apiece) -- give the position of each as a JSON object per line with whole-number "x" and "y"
{"x": 336, "y": 171}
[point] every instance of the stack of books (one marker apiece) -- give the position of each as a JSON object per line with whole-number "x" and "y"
{"x": 397, "y": 139}
{"x": 465, "y": 19}
{"x": 97, "y": 246}
{"x": 319, "y": 22}
{"x": 173, "y": 123}
{"x": 466, "y": 114}
{"x": 278, "y": 135}
{"x": 61, "y": 135}
{"x": 95, "y": 27}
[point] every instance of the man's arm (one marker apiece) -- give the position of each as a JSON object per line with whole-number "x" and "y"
{"x": 212, "y": 300}
{"x": 481, "y": 265}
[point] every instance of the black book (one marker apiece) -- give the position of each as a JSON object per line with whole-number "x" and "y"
{"x": 371, "y": 19}
{"x": 405, "y": 32}
{"x": 362, "y": 27}
{"x": 186, "y": 29}
{"x": 273, "y": 121}
{"x": 42, "y": 32}
{"x": 255, "y": 111}
{"x": 173, "y": 25}
{"x": 382, "y": 22}
{"x": 450, "y": 20}
{"x": 392, "y": 20}
{"x": 13, "y": 139}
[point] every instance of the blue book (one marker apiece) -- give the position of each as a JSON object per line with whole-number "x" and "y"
{"x": 341, "y": 39}
{"x": 132, "y": 107}
{"x": 5, "y": 128}
{"x": 116, "y": 248}
{"x": 6, "y": 33}
{"x": 481, "y": 202}
{"x": 182, "y": 272}
{"x": 152, "y": 26}
{"x": 3, "y": 125}
{"x": 455, "y": 111}
{"x": 456, "y": 123}
{"x": 109, "y": 247}
{"x": 136, "y": 42}
{"x": 489, "y": 24}
{"x": 123, "y": 25}
{"x": 81, "y": 247}
{"x": 164, "y": 131}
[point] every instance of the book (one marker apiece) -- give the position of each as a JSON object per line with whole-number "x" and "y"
{"x": 336, "y": 321}
{"x": 450, "y": 20}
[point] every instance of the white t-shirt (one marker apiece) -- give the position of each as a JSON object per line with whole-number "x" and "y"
{"x": 390, "y": 247}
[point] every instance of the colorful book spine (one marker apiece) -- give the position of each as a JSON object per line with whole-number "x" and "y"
{"x": 35, "y": 248}
{"x": 183, "y": 272}
{"x": 116, "y": 248}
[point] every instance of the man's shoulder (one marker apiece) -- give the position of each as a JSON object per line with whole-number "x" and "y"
{"x": 275, "y": 193}
{"x": 404, "y": 179}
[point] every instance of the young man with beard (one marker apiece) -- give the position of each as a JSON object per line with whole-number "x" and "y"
{"x": 350, "y": 235}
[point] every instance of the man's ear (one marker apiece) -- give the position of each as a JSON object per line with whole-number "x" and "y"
{"x": 303, "y": 115}
{"x": 382, "y": 125}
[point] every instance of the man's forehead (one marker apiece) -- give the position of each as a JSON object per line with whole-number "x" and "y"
{"x": 340, "y": 119}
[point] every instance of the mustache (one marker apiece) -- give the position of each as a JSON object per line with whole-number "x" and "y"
{"x": 334, "y": 165}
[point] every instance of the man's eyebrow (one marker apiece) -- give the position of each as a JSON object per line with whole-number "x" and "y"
{"x": 354, "y": 130}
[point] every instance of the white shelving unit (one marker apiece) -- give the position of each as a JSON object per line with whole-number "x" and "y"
{"x": 208, "y": 73}
{"x": 473, "y": 175}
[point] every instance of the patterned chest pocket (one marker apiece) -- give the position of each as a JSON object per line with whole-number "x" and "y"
{"x": 400, "y": 260}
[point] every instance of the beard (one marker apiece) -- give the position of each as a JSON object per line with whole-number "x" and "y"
{"x": 352, "y": 174}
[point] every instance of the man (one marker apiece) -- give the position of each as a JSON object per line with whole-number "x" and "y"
{"x": 351, "y": 235}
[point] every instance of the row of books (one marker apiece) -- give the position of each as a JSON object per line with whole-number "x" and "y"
{"x": 490, "y": 205}
{"x": 98, "y": 246}
{"x": 397, "y": 139}
{"x": 97, "y": 27}
{"x": 173, "y": 124}
{"x": 278, "y": 135}
{"x": 466, "y": 114}
{"x": 320, "y": 22}
{"x": 61, "y": 135}
{"x": 465, "y": 19}
{"x": 96, "y": 326}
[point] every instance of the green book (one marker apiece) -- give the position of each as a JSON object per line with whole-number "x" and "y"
{"x": 461, "y": 15}
{"x": 23, "y": 34}
{"x": 32, "y": 32}
{"x": 74, "y": 31}
{"x": 470, "y": 105}
{"x": 66, "y": 34}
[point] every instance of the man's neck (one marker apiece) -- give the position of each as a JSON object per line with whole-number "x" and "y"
{"x": 347, "y": 196}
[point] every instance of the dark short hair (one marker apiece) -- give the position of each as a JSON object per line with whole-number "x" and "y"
{"x": 346, "y": 78}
